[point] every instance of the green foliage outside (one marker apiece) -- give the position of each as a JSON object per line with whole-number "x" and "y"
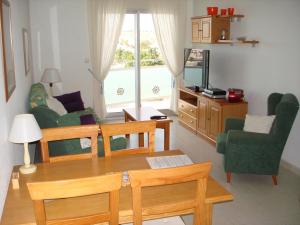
{"x": 149, "y": 56}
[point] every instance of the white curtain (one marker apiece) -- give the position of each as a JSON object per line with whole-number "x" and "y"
{"x": 169, "y": 22}
{"x": 105, "y": 20}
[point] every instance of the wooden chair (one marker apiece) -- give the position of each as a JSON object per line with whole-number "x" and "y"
{"x": 69, "y": 132}
{"x": 40, "y": 191}
{"x": 158, "y": 177}
{"x": 109, "y": 130}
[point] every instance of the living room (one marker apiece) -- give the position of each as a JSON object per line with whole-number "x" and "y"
{"x": 59, "y": 35}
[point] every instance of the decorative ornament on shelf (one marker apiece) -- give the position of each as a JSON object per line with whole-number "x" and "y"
{"x": 24, "y": 130}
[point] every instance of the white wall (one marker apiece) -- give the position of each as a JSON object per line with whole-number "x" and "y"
{"x": 60, "y": 37}
{"x": 272, "y": 66}
{"x": 11, "y": 154}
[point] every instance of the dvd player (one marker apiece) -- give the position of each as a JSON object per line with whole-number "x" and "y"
{"x": 213, "y": 96}
{"x": 215, "y": 91}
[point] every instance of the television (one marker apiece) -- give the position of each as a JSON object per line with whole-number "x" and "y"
{"x": 196, "y": 69}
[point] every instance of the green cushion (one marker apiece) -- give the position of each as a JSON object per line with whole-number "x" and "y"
{"x": 37, "y": 95}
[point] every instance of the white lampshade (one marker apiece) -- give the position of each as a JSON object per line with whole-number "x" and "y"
{"x": 24, "y": 129}
{"x": 51, "y": 75}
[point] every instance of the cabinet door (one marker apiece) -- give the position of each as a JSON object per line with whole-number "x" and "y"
{"x": 206, "y": 26}
{"x": 196, "y": 30}
{"x": 202, "y": 115}
{"x": 214, "y": 120}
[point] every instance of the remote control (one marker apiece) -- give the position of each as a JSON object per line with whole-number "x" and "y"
{"x": 158, "y": 117}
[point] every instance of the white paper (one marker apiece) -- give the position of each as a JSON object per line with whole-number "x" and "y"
{"x": 168, "y": 161}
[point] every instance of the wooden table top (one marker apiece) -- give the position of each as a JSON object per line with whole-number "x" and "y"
{"x": 18, "y": 207}
{"x": 144, "y": 113}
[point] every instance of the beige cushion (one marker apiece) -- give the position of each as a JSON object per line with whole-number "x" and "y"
{"x": 258, "y": 124}
{"x": 56, "y": 106}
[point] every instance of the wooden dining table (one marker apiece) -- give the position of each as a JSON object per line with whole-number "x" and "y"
{"x": 18, "y": 208}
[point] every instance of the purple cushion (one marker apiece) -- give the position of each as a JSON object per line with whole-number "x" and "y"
{"x": 87, "y": 119}
{"x": 71, "y": 101}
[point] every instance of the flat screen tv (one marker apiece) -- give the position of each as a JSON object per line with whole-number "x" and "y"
{"x": 196, "y": 69}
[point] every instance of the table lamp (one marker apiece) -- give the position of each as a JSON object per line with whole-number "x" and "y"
{"x": 50, "y": 76}
{"x": 24, "y": 130}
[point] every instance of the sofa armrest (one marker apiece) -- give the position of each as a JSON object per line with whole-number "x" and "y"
{"x": 69, "y": 119}
{"x": 234, "y": 124}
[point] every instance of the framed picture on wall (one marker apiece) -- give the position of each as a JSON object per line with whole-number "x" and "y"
{"x": 26, "y": 50}
{"x": 8, "y": 51}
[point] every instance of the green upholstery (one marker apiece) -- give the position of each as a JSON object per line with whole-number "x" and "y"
{"x": 47, "y": 118}
{"x": 256, "y": 153}
{"x": 37, "y": 95}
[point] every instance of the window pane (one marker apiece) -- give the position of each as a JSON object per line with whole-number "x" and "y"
{"x": 155, "y": 76}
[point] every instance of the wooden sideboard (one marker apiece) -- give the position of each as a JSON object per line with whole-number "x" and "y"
{"x": 206, "y": 116}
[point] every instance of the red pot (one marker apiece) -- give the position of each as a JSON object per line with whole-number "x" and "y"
{"x": 230, "y": 11}
{"x": 223, "y": 12}
{"x": 212, "y": 11}
{"x": 235, "y": 95}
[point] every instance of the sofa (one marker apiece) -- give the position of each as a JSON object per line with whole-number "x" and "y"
{"x": 48, "y": 118}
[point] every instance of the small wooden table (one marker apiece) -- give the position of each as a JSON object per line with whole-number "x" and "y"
{"x": 18, "y": 208}
{"x": 144, "y": 113}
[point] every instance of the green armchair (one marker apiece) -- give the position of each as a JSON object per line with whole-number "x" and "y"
{"x": 257, "y": 153}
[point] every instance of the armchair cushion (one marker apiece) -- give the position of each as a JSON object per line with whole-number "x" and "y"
{"x": 258, "y": 124}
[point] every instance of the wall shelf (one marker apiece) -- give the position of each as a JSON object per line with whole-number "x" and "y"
{"x": 233, "y": 42}
{"x": 208, "y": 29}
{"x": 237, "y": 17}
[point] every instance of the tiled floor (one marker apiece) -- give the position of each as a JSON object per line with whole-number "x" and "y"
{"x": 256, "y": 200}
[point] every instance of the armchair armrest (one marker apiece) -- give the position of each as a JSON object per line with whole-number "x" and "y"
{"x": 242, "y": 141}
{"x": 234, "y": 124}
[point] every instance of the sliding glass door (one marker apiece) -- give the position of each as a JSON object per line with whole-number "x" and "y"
{"x": 138, "y": 76}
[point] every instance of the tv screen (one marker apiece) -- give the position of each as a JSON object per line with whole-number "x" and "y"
{"x": 196, "y": 69}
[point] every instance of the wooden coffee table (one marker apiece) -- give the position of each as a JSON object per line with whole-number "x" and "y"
{"x": 144, "y": 113}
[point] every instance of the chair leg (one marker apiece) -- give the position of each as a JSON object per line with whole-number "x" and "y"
{"x": 274, "y": 178}
{"x": 228, "y": 174}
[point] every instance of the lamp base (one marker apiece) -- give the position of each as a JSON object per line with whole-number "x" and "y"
{"x": 28, "y": 169}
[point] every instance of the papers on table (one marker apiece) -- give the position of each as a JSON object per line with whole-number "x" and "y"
{"x": 169, "y": 161}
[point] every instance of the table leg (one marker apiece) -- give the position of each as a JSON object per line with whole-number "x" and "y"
{"x": 205, "y": 217}
{"x": 167, "y": 136}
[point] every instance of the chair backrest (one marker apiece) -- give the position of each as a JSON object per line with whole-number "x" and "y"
{"x": 40, "y": 191}
{"x": 285, "y": 107}
{"x": 65, "y": 133}
{"x": 109, "y": 130}
{"x": 157, "y": 177}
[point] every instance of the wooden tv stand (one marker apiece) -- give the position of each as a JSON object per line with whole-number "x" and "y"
{"x": 206, "y": 116}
